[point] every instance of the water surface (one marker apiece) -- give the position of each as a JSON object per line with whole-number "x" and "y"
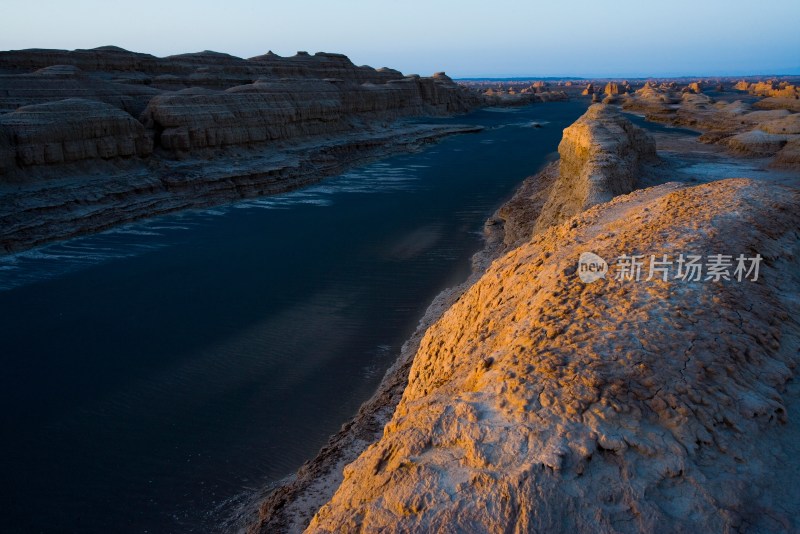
{"x": 155, "y": 373}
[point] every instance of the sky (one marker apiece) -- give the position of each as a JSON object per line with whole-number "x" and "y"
{"x": 466, "y": 38}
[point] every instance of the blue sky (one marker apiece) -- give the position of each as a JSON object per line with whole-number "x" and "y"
{"x": 465, "y": 38}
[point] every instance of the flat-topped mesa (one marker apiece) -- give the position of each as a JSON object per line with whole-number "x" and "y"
{"x": 58, "y": 82}
{"x": 68, "y": 131}
{"x": 540, "y": 403}
{"x": 269, "y": 110}
{"x": 602, "y": 154}
{"x": 209, "y": 69}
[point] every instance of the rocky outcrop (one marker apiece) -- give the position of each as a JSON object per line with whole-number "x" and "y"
{"x": 539, "y": 403}
{"x": 757, "y": 130}
{"x": 652, "y": 100}
{"x": 757, "y": 143}
{"x": 776, "y": 102}
{"x": 614, "y": 88}
{"x": 779, "y": 94}
{"x": 602, "y": 154}
{"x": 512, "y": 98}
{"x": 695, "y": 87}
{"x": 66, "y": 81}
{"x": 789, "y": 156}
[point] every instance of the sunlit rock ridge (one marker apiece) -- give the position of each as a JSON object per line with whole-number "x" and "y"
{"x": 540, "y": 403}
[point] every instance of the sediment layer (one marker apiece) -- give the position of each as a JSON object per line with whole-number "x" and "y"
{"x": 94, "y": 138}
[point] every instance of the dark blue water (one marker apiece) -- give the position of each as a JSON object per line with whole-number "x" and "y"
{"x": 155, "y": 374}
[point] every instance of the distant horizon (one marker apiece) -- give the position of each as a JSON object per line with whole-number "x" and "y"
{"x": 467, "y": 39}
{"x": 478, "y": 77}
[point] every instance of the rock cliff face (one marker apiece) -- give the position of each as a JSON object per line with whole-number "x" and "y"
{"x": 93, "y": 138}
{"x": 278, "y": 110}
{"x": 601, "y": 156}
{"x": 540, "y": 403}
{"x": 70, "y": 130}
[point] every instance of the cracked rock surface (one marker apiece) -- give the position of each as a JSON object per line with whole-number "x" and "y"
{"x": 540, "y": 403}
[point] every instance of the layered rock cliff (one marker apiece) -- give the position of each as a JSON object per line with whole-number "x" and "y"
{"x": 270, "y": 110}
{"x": 94, "y": 138}
{"x": 70, "y": 130}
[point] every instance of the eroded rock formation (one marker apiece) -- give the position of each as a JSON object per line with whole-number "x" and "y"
{"x": 93, "y": 138}
{"x": 269, "y": 110}
{"x": 756, "y": 130}
{"x": 70, "y": 130}
{"x": 601, "y": 156}
{"x": 540, "y": 403}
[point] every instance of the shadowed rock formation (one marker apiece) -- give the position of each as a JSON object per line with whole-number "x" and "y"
{"x": 71, "y": 130}
{"x": 94, "y": 138}
{"x": 278, "y": 110}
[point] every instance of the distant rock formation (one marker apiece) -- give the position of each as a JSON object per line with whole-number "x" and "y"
{"x": 589, "y": 90}
{"x": 601, "y": 157}
{"x": 614, "y": 88}
{"x": 778, "y": 94}
{"x": 763, "y": 129}
{"x": 270, "y": 110}
{"x": 93, "y": 138}
{"x": 615, "y": 406}
{"x": 525, "y": 96}
{"x": 695, "y": 87}
{"x": 209, "y": 99}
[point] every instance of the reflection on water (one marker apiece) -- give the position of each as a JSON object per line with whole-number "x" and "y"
{"x": 157, "y": 373}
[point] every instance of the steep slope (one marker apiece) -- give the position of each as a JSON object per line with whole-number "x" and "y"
{"x": 541, "y": 403}
{"x": 601, "y": 156}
